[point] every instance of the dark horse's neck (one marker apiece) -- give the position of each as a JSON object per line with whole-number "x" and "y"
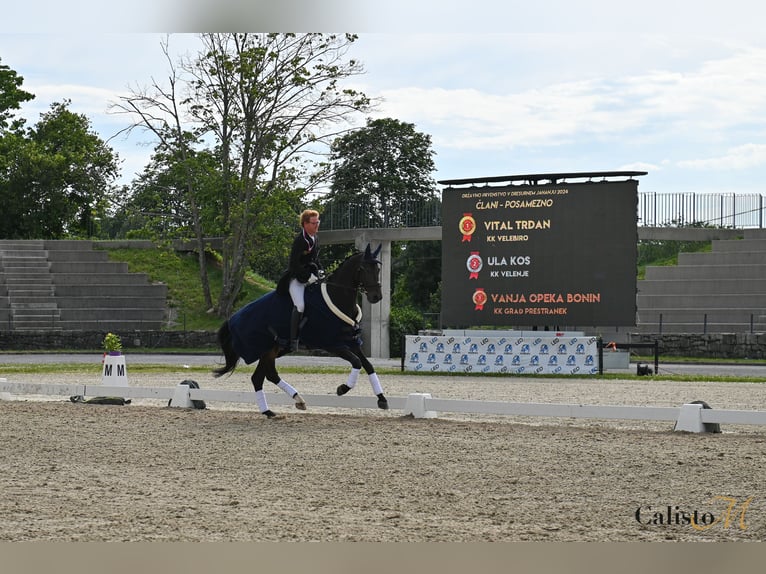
{"x": 342, "y": 285}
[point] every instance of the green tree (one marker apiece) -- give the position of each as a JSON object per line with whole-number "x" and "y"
{"x": 416, "y": 275}
{"x": 382, "y": 176}
{"x": 154, "y": 206}
{"x": 267, "y": 104}
{"x": 57, "y": 177}
{"x": 11, "y": 96}
{"x": 11, "y": 141}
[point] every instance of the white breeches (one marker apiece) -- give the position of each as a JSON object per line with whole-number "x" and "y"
{"x": 296, "y": 292}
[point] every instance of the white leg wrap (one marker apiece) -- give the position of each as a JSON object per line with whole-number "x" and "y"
{"x": 353, "y": 376}
{"x": 260, "y": 398}
{"x": 287, "y": 388}
{"x": 375, "y": 382}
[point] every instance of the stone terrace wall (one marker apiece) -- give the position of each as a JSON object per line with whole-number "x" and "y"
{"x": 708, "y": 346}
{"x": 91, "y": 340}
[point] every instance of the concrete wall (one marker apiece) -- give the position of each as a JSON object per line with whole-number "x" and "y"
{"x": 710, "y": 346}
{"x": 91, "y": 340}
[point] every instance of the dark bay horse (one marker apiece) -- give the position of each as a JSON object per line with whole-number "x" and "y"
{"x": 260, "y": 330}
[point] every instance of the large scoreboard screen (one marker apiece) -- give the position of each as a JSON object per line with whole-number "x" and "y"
{"x": 533, "y": 255}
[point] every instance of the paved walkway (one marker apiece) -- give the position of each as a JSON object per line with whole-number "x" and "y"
{"x": 178, "y": 359}
{"x": 211, "y": 359}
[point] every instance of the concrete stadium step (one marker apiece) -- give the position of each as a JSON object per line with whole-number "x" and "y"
{"x": 68, "y": 244}
{"x": 723, "y": 258}
{"x": 77, "y": 255}
{"x": 17, "y": 286}
{"x": 43, "y": 305}
{"x": 720, "y": 291}
{"x": 57, "y": 267}
{"x": 67, "y": 284}
{"x": 718, "y": 315}
{"x": 29, "y": 302}
{"x": 695, "y": 272}
{"x": 112, "y": 290}
{"x": 29, "y": 252}
{"x": 101, "y": 279}
{"x": 22, "y": 264}
{"x": 13, "y": 246}
{"x": 665, "y": 301}
{"x": 108, "y": 313}
{"x": 36, "y": 326}
{"x": 724, "y": 287}
{"x": 35, "y": 314}
{"x": 35, "y": 317}
{"x": 31, "y": 274}
{"x": 110, "y": 302}
{"x": 729, "y": 245}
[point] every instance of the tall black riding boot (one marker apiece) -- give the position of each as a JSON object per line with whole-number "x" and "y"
{"x": 295, "y": 321}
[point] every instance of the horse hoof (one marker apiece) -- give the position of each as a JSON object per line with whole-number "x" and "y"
{"x": 300, "y": 404}
{"x": 342, "y": 389}
{"x": 269, "y": 414}
{"x": 382, "y": 402}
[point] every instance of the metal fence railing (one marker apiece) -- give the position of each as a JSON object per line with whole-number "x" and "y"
{"x": 728, "y": 210}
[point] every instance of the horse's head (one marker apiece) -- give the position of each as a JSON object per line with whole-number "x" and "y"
{"x": 369, "y": 274}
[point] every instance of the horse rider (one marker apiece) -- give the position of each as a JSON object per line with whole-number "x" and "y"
{"x": 303, "y": 269}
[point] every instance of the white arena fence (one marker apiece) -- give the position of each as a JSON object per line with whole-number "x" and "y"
{"x": 688, "y": 417}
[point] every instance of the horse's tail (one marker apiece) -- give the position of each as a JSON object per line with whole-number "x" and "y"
{"x": 231, "y": 356}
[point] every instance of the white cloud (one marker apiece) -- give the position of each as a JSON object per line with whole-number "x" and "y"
{"x": 745, "y": 156}
{"x": 566, "y": 99}
{"x": 640, "y": 166}
{"x": 716, "y": 97}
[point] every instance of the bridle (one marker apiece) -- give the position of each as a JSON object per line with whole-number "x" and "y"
{"x": 364, "y": 269}
{"x": 359, "y": 283}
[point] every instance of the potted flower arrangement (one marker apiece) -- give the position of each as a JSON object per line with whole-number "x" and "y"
{"x": 112, "y": 344}
{"x": 113, "y": 362}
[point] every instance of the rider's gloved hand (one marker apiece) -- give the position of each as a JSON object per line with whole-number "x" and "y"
{"x": 312, "y": 279}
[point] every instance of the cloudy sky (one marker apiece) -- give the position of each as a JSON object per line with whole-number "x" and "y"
{"x": 677, "y": 89}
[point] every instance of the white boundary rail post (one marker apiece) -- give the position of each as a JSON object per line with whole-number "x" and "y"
{"x": 416, "y": 406}
{"x": 181, "y": 397}
{"x": 688, "y": 417}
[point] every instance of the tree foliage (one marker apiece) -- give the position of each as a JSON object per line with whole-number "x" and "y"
{"x": 416, "y": 274}
{"x": 264, "y": 105}
{"x": 11, "y": 97}
{"x": 56, "y": 177}
{"x": 382, "y": 176}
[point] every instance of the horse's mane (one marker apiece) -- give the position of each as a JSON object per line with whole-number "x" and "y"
{"x": 346, "y": 260}
{"x": 368, "y": 255}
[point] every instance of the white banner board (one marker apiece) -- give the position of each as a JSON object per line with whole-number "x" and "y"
{"x": 535, "y": 355}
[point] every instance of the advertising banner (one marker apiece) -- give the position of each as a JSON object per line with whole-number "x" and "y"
{"x": 566, "y": 355}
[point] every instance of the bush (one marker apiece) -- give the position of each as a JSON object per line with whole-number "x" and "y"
{"x": 403, "y": 321}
